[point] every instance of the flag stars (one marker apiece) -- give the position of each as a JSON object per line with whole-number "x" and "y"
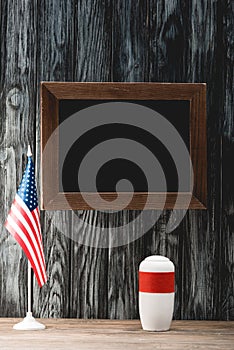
{"x": 27, "y": 190}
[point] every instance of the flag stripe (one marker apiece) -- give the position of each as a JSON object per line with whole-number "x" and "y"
{"x": 27, "y": 222}
{"x": 27, "y": 219}
{"x": 36, "y": 216}
{"x": 27, "y": 240}
{"x": 23, "y": 224}
{"x": 15, "y": 230}
{"x": 23, "y": 246}
{"x": 28, "y": 212}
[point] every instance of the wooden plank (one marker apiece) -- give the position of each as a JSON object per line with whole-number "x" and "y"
{"x": 124, "y": 263}
{"x": 92, "y": 55}
{"x": 130, "y": 41}
{"x": 54, "y": 62}
{"x": 227, "y": 229}
{"x": 106, "y": 334}
{"x": 169, "y": 30}
{"x": 227, "y": 237}
{"x": 125, "y": 91}
{"x": 17, "y": 109}
{"x": 89, "y": 267}
{"x": 49, "y": 170}
{"x": 155, "y": 200}
{"x": 201, "y": 231}
{"x": 130, "y": 63}
{"x": 167, "y": 62}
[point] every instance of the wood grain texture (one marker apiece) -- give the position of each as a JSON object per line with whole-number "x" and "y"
{"x": 129, "y": 64}
{"x": 201, "y": 252}
{"x": 169, "y": 30}
{"x": 128, "y": 91}
{"x": 163, "y": 41}
{"x": 227, "y": 129}
{"x": 166, "y": 50}
{"x": 156, "y": 200}
{"x": 112, "y": 334}
{"x": 227, "y": 236}
{"x": 18, "y": 78}
{"x": 89, "y": 265}
{"x": 130, "y": 41}
{"x": 55, "y": 32}
{"x": 123, "y": 262}
{"x": 204, "y": 248}
{"x": 92, "y": 52}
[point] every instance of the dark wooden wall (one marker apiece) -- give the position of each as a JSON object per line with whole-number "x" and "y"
{"x": 127, "y": 40}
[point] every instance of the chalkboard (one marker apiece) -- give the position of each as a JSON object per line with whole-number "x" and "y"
{"x": 176, "y": 112}
{"x": 95, "y": 135}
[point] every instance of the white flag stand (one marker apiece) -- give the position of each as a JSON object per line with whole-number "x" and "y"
{"x": 29, "y": 323}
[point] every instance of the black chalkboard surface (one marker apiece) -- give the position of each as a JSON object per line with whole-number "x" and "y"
{"x": 116, "y": 146}
{"x": 176, "y": 112}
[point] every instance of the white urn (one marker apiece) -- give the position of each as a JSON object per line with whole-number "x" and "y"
{"x": 156, "y": 293}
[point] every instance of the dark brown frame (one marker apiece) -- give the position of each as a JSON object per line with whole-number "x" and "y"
{"x": 52, "y": 92}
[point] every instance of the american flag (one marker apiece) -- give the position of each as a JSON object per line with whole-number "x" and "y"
{"x": 23, "y": 222}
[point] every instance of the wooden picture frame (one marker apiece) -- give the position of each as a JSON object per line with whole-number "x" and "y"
{"x": 53, "y": 92}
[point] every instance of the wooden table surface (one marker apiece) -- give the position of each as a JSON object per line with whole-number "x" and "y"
{"x": 116, "y": 334}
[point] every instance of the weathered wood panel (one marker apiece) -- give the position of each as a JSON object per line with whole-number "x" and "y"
{"x": 201, "y": 250}
{"x": 18, "y": 83}
{"x": 54, "y": 62}
{"x": 130, "y": 63}
{"x": 168, "y": 34}
{"x": 89, "y": 264}
{"x": 227, "y": 130}
{"x": 130, "y": 40}
{"x": 167, "y": 41}
{"x": 92, "y": 52}
{"x": 166, "y": 64}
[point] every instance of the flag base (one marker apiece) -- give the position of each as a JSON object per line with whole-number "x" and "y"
{"x": 29, "y": 324}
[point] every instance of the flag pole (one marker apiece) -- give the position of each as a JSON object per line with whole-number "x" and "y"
{"x": 29, "y": 323}
{"x": 29, "y": 154}
{"x": 29, "y": 288}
